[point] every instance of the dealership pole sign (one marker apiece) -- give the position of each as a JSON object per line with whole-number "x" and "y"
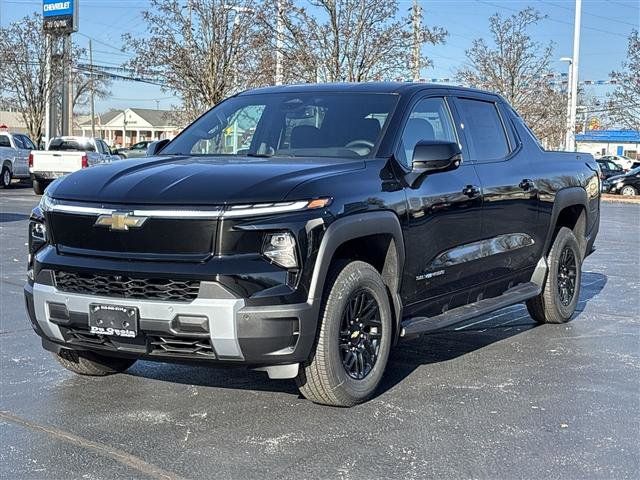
{"x": 60, "y": 17}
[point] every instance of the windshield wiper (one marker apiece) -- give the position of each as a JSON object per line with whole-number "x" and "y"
{"x": 259, "y": 155}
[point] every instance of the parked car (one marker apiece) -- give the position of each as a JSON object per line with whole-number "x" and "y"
{"x": 626, "y": 184}
{"x": 14, "y": 156}
{"x": 65, "y": 155}
{"x": 625, "y": 162}
{"x": 136, "y": 150}
{"x": 306, "y": 240}
{"x": 609, "y": 168}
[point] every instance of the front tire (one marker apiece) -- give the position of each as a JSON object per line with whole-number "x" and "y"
{"x": 558, "y": 300}
{"x": 5, "y": 177}
{"x": 354, "y": 339}
{"x": 628, "y": 191}
{"x": 92, "y": 365}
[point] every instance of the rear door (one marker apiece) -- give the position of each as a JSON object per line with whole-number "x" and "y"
{"x": 444, "y": 217}
{"x": 511, "y": 237}
{"x": 25, "y": 146}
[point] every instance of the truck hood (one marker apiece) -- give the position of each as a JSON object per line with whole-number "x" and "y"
{"x": 184, "y": 180}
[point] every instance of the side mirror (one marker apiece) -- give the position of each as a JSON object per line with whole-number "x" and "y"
{"x": 154, "y": 148}
{"x": 433, "y": 156}
{"x": 436, "y": 156}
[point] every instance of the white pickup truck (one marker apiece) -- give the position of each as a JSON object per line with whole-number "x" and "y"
{"x": 66, "y": 155}
{"x": 14, "y": 153}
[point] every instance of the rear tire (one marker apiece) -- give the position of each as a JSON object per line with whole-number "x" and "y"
{"x": 91, "y": 364}
{"x": 558, "y": 300}
{"x": 628, "y": 191}
{"x": 354, "y": 340}
{"x": 39, "y": 186}
{"x": 5, "y": 177}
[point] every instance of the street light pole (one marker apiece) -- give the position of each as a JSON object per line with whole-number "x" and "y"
{"x": 567, "y": 133}
{"x": 574, "y": 75}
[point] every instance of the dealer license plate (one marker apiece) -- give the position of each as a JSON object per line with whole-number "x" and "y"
{"x": 113, "y": 320}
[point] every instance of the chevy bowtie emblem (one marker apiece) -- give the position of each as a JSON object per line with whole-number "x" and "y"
{"x": 120, "y": 221}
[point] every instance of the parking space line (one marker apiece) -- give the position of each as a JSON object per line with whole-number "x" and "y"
{"x": 119, "y": 456}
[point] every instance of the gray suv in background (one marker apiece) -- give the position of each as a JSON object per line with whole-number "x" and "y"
{"x": 14, "y": 157}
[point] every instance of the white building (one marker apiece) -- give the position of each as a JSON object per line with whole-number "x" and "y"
{"x": 610, "y": 142}
{"x": 137, "y": 123}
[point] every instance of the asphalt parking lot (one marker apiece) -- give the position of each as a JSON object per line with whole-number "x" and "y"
{"x": 495, "y": 397}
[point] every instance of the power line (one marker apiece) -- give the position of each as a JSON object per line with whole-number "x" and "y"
{"x": 589, "y": 14}
{"x": 495, "y": 5}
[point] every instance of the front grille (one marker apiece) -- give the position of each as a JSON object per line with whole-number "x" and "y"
{"x": 182, "y": 346}
{"x": 175, "y": 239}
{"x": 121, "y": 286}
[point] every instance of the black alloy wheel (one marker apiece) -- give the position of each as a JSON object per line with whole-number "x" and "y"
{"x": 360, "y": 334}
{"x": 567, "y": 273}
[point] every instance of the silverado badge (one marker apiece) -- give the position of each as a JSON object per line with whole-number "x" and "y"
{"x": 120, "y": 221}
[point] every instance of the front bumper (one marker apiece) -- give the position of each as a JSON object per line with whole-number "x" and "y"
{"x": 215, "y": 327}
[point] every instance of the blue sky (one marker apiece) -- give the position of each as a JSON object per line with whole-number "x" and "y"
{"x": 606, "y": 27}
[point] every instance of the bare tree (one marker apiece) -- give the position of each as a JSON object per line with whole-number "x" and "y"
{"x": 203, "y": 50}
{"x": 624, "y": 101}
{"x": 344, "y": 40}
{"x": 23, "y": 79}
{"x": 83, "y": 81}
{"x": 23, "y": 76}
{"x": 519, "y": 69}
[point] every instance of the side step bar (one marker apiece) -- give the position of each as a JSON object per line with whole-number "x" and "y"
{"x": 517, "y": 294}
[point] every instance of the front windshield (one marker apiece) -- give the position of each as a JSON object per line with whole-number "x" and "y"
{"x": 317, "y": 124}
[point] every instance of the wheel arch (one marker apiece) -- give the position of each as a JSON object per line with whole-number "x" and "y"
{"x": 373, "y": 237}
{"x": 570, "y": 209}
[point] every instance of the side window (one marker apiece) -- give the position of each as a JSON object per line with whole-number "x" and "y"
{"x": 484, "y": 130}
{"x": 18, "y": 142}
{"x": 429, "y": 120}
{"x": 105, "y": 147}
{"x": 4, "y": 141}
{"x": 28, "y": 144}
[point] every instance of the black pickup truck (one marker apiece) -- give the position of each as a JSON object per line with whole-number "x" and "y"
{"x": 305, "y": 230}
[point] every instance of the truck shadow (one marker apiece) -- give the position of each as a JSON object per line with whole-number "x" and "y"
{"x": 438, "y": 346}
{"x": 464, "y": 338}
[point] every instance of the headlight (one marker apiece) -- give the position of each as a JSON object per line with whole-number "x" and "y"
{"x": 280, "y": 248}
{"x": 38, "y": 231}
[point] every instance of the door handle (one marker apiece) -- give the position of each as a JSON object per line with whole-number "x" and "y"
{"x": 471, "y": 191}
{"x": 526, "y": 184}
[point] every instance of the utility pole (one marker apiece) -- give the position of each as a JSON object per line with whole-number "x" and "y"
{"x": 93, "y": 117}
{"x": 416, "y": 16}
{"x": 279, "y": 42}
{"x": 570, "y": 141}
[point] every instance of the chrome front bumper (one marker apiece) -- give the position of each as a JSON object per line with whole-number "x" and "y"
{"x": 218, "y": 314}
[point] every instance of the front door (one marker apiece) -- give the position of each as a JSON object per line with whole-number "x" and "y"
{"x": 444, "y": 217}
{"x": 510, "y": 230}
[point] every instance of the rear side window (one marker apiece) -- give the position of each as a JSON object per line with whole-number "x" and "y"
{"x": 484, "y": 130}
{"x": 27, "y": 143}
{"x": 71, "y": 145}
